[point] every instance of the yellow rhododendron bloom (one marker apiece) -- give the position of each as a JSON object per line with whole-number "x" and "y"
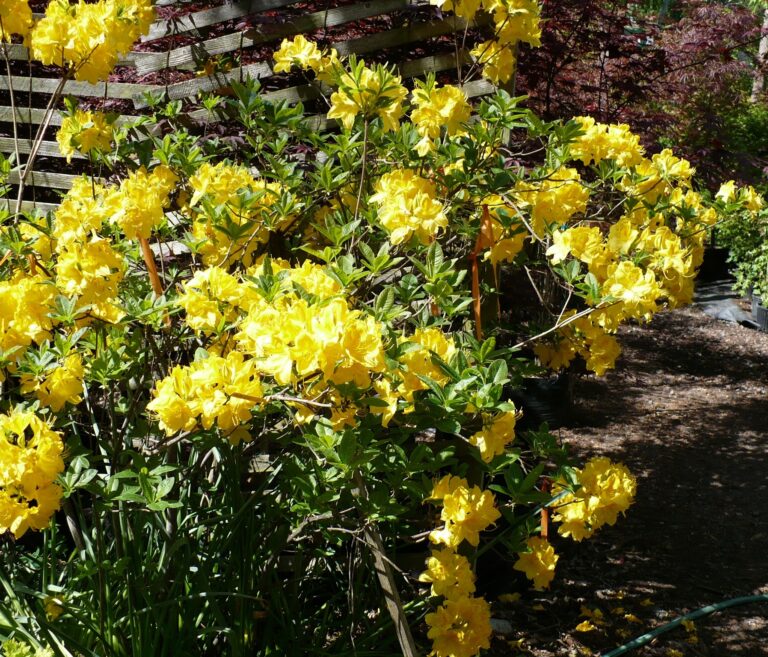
{"x": 437, "y": 108}
{"x": 215, "y": 390}
{"x": 498, "y": 60}
{"x": 211, "y": 299}
{"x": 637, "y": 290}
{"x": 450, "y": 574}
{"x": 139, "y": 203}
{"x": 466, "y": 511}
{"x": 26, "y": 303}
{"x": 92, "y": 272}
{"x": 83, "y": 132}
{"x": 497, "y": 433}
{"x": 408, "y": 206}
{"x": 538, "y": 562}
{"x": 418, "y": 361}
{"x": 81, "y": 213}
{"x": 370, "y": 93}
{"x": 606, "y": 142}
{"x": 30, "y": 461}
{"x": 753, "y": 201}
{"x": 16, "y": 18}
{"x": 292, "y": 338}
{"x": 233, "y": 212}
{"x": 299, "y": 52}
{"x": 465, "y": 9}
{"x": 507, "y": 242}
{"x": 88, "y": 38}
{"x": 460, "y": 627}
{"x": 517, "y": 20}
{"x": 606, "y": 490}
{"x": 64, "y": 384}
{"x": 553, "y": 200}
{"x": 727, "y": 192}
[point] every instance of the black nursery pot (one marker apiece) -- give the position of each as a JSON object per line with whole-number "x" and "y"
{"x": 756, "y": 302}
{"x": 761, "y": 317}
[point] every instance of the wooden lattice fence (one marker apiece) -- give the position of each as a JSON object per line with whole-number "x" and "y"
{"x": 400, "y": 30}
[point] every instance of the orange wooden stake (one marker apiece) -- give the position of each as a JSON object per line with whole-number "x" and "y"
{"x": 545, "y": 513}
{"x": 484, "y": 241}
{"x": 149, "y": 260}
{"x": 154, "y": 277}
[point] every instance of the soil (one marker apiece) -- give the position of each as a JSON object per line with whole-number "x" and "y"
{"x": 686, "y": 409}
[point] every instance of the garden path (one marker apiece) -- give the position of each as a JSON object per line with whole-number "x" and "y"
{"x": 687, "y": 410}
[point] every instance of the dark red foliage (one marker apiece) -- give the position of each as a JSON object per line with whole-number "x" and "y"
{"x": 672, "y": 83}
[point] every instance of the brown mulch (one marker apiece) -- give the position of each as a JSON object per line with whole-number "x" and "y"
{"x": 686, "y": 410}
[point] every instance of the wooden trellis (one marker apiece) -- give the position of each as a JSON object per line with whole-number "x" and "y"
{"x": 197, "y": 25}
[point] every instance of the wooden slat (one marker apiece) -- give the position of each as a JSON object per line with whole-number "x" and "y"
{"x": 35, "y": 116}
{"x": 209, "y": 83}
{"x": 47, "y": 148}
{"x": 44, "y": 179}
{"x": 10, "y": 205}
{"x": 208, "y": 17}
{"x": 232, "y": 42}
{"x": 20, "y": 53}
{"x": 122, "y": 90}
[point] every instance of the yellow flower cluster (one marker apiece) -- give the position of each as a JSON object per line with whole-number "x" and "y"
{"x": 652, "y": 179}
{"x": 606, "y": 142}
{"x": 498, "y": 60}
{"x": 747, "y": 196}
{"x": 467, "y": 510}
{"x": 644, "y": 261}
{"x": 91, "y": 271}
{"x": 25, "y": 306}
{"x": 137, "y": 206}
{"x": 88, "y": 38}
{"x": 293, "y": 339}
{"x": 305, "y": 335}
{"x": 554, "y": 199}
{"x": 514, "y": 22}
{"x": 215, "y": 390}
{"x": 408, "y": 205}
{"x": 538, "y": 562}
{"x": 605, "y": 490}
{"x": 449, "y": 573}
{"x": 461, "y": 625}
{"x": 86, "y": 266}
{"x": 83, "y": 132}
{"x": 16, "y": 18}
{"x": 507, "y": 241}
{"x": 370, "y": 92}
{"x": 307, "y": 56}
{"x": 437, "y": 108}
{"x": 62, "y": 385}
{"x": 233, "y": 213}
{"x": 415, "y": 363}
{"x": 496, "y": 434}
{"x": 30, "y": 461}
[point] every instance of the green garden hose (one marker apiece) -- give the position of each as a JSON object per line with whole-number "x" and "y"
{"x": 699, "y": 613}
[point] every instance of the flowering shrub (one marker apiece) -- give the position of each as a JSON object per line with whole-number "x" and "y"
{"x": 230, "y": 367}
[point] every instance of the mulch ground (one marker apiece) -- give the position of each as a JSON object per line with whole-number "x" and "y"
{"x": 686, "y": 410}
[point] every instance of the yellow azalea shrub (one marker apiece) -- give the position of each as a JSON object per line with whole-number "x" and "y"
{"x": 232, "y": 367}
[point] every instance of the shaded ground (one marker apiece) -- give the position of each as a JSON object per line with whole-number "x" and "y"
{"x": 687, "y": 410}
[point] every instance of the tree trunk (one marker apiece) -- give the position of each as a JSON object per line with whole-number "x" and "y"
{"x": 758, "y": 81}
